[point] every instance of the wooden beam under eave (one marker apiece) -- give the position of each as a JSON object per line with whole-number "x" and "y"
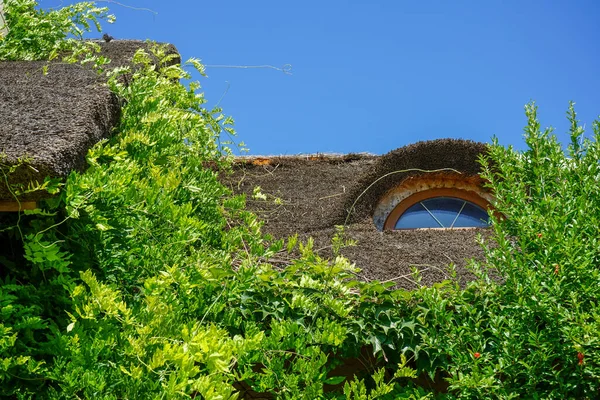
{"x": 15, "y": 206}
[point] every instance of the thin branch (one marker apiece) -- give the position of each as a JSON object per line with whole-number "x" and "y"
{"x": 404, "y": 277}
{"x": 286, "y": 68}
{"x": 223, "y": 95}
{"x": 126, "y": 6}
{"x": 332, "y": 195}
{"x": 385, "y": 176}
{"x": 429, "y": 266}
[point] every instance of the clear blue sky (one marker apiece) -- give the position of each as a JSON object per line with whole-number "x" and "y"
{"x": 371, "y": 76}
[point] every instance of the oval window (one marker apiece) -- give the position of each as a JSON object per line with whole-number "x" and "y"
{"x": 443, "y": 212}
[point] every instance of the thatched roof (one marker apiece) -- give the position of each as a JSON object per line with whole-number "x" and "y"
{"x": 312, "y": 189}
{"x": 52, "y": 120}
{"x": 456, "y": 154}
{"x": 120, "y": 52}
{"x": 310, "y": 195}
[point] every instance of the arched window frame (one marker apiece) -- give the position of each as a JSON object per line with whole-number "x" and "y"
{"x": 396, "y": 213}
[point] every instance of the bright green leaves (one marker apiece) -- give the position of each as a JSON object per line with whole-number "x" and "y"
{"x": 197, "y": 64}
{"x": 35, "y": 34}
{"x": 546, "y": 250}
{"x": 106, "y": 301}
{"x": 149, "y": 279}
{"x": 186, "y": 357}
{"x": 45, "y": 255}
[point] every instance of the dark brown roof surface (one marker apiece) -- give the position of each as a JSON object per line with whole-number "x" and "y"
{"x": 310, "y": 195}
{"x": 457, "y": 154}
{"x": 54, "y": 119}
{"x": 392, "y": 255}
{"x": 312, "y": 189}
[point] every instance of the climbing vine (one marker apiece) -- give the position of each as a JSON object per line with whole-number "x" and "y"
{"x": 145, "y": 277}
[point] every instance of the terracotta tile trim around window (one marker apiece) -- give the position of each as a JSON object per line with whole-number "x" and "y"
{"x": 468, "y": 195}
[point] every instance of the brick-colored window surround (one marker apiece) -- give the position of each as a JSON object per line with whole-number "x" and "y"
{"x": 472, "y": 197}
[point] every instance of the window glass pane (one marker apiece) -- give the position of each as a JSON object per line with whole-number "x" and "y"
{"x": 445, "y": 209}
{"x": 472, "y": 215}
{"x": 443, "y": 212}
{"x": 416, "y": 217}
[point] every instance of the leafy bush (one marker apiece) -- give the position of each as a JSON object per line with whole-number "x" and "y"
{"x": 146, "y": 278}
{"x": 35, "y": 34}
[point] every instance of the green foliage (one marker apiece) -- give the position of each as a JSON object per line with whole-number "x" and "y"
{"x": 146, "y": 278}
{"x": 35, "y": 34}
{"x": 548, "y": 253}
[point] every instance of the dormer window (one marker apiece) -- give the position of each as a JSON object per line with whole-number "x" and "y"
{"x": 443, "y": 212}
{"x": 444, "y": 208}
